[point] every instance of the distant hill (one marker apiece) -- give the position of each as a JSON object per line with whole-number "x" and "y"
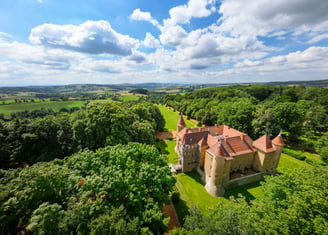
{"x": 96, "y": 88}
{"x": 317, "y": 83}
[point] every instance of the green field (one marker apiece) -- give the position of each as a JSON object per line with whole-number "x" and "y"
{"x": 55, "y": 105}
{"x": 172, "y": 118}
{"x": 129, "y": 98}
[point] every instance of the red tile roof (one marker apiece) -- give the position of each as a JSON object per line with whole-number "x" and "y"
{"x": 232, "y": 146}
{"x": 218, "y": 150}
{"x": 225, "y": 141}
{"x": 181, "y": 122}
{"x": 278, "y": 141}
{"x": 193, "y": 138}
{"x": 202, "y": 142}
{"x": 264, "y": 144}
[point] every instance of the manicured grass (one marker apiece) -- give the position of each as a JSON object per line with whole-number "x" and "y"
{"x": 287, "y": 162}
{"x": 167, "y": 148}
{"x": 55, "y": 105}
{"x": 193, "y": 192}
{"x": 172, "y": 118}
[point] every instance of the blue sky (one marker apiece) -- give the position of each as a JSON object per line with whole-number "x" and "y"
{"x": 197, "y": 41}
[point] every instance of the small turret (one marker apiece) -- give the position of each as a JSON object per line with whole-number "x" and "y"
{"x": 181, "y": 124}
{"x": 278, "y": 141}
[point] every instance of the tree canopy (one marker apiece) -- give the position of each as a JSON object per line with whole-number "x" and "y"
{"x": 293, "y": 203}
{"x": 119, "y": 189}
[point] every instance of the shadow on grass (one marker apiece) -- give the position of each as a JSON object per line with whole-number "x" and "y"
{"x": 195, "y": 176}
{"x": 182, "y": 210}
{"x": 162, "y": 147}
{"x": 243, "y": 190}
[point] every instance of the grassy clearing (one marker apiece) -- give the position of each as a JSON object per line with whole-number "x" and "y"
{"x": 129, "y": 98}
{"x": 55, "y": 105}
{"x": 172, "y": 118}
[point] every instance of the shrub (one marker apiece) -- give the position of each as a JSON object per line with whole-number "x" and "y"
{"x": 175, "y": 197}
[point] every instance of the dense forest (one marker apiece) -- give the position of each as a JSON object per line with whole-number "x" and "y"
{"x": 115, "y": 190}
{"x": 301, "y": 113}
{"x": 30, "y": 140}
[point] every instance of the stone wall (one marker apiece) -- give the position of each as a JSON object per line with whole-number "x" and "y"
{"x": 189, "y": 157}
{"x": 244, "y": 180}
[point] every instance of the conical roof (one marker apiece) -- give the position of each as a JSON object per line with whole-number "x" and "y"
{"x": 181, "y": 122}
{"x": 264, "y": 144}
{"x": 278, "y": 141}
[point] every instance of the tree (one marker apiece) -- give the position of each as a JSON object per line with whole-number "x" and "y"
{"x": 293, "y": 203}
{"x": 237, "y": 113}
{"x": 263, "y": 122}
{"x": 143, "y": 132}
{"x": 287, "y": 117}
{"x": 123, "y": 185}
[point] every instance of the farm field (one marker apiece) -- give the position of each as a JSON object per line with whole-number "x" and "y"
{"x": 129, "y": 97}
{"x": 55, "y": 105}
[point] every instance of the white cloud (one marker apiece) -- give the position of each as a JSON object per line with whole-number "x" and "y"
{"x": 193, "y": 9}
{"x": 310, "y": 60}
{"x": 93, "y": 37}
{"x": 318, "y": 38}
{"x": 150, "y": 41}
{"x": 137, "y": 14}
{"x": 260, "y": 17}
{"x": 173, "y": 36}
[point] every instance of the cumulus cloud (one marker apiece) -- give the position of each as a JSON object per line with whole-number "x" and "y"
{"x": 311, "y": 59}
{"x": 137, "y": 14}
{"x": 37, "y": 55}
{"x": 137, "y": 57}
{"x": 93, "y": 37}
{"x": 150, "y": 41}
{"x": 260, "y": 17}
{"x": 193, "y": 9}
{"x": 173, "y": 36}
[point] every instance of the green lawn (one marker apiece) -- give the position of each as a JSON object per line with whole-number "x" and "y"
{"x": 55, "y": 105}
{"x": 287, "y": 162}
{"x": 167, "y": 148}
{"x": 193, "y": 192}
{"x": 172, "y": 118}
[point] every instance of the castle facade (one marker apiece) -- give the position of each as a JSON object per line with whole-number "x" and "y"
{"x": 225, "y": 157}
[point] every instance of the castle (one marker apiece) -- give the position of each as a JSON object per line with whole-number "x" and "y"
{"x": 225, "y": 157}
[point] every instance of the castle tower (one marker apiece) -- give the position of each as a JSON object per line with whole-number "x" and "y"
{"x": 181, "y": 124}
{"x": 278, "y": 144}
{"x": 265, "y": 160}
